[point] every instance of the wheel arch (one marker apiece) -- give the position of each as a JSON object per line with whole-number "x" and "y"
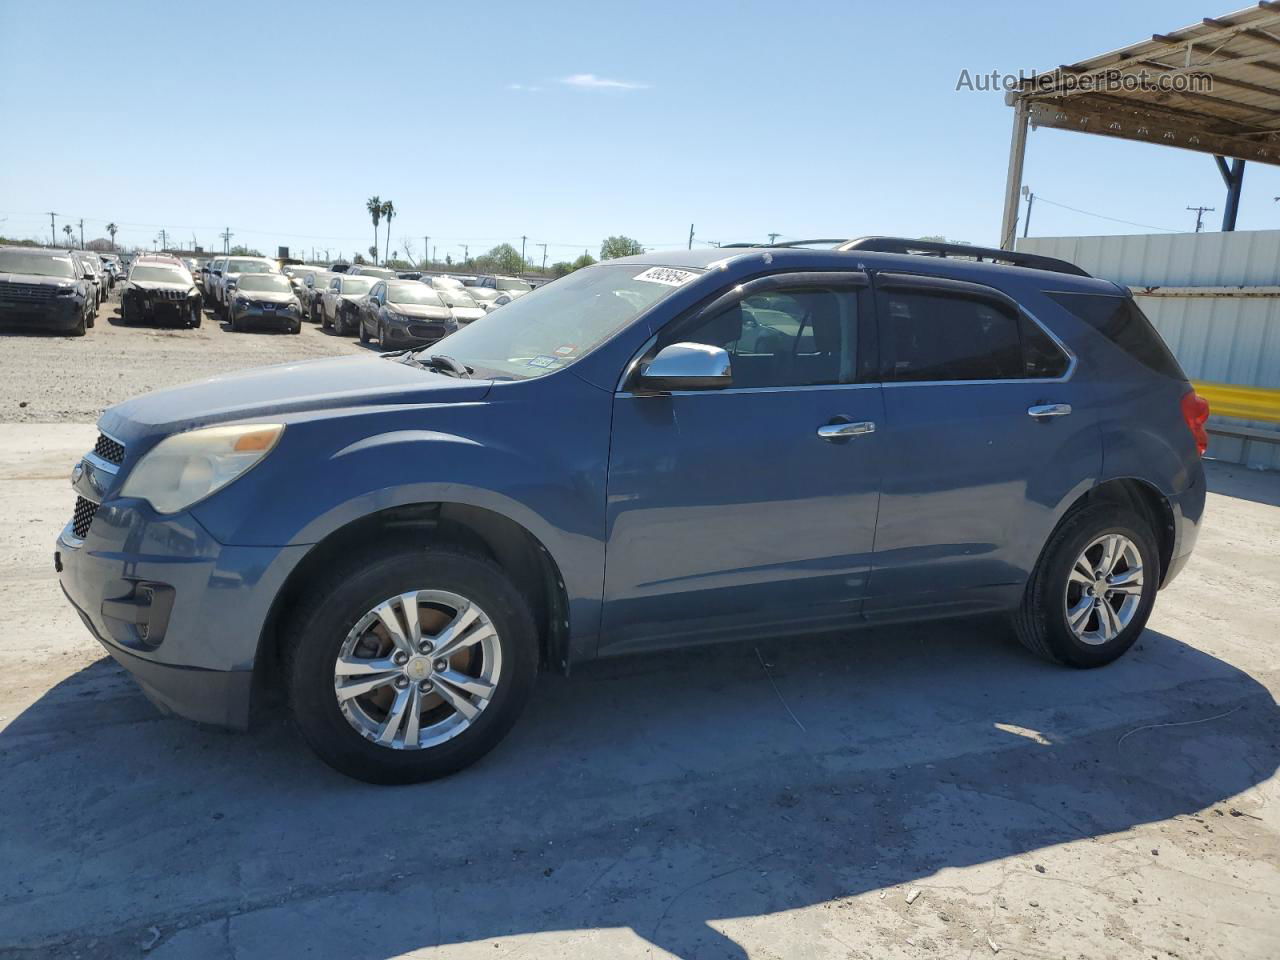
{"x": 520, "y": 554}
{"x": 1143, "y": 497}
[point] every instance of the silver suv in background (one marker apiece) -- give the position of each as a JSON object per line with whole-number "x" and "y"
{"x": 228, "y": 277}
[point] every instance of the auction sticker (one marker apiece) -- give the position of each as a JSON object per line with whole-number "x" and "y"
{"x": 666, "y": 276}
{"x": 544, "y": 361}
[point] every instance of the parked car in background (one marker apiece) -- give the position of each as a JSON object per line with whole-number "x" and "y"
{"x": 512, "y": 286}
{"x": 606, "y": 467}
{"x": 46, "y": 290}
{"x": 487, "y": 298}
{"x": 160, "y": 291}
{"x": 92, "y": 266}
{"x": 313, "y": 285}
{"x": 409, "y": 275}
{"x": 461, "y": 304}
{"x": 338, "y": 308}
{"x": 404, "y": 313}
{"x": 232, "y": 271}
{"x": 339, "y": 267}
{"x": 264, "y": 300}
{"x": 365, "y": 270}
{"x": 209, "y": 274}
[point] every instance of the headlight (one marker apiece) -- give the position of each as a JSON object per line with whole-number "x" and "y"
{"x": 187, "y": 467}
{"x": 65, "y": 292}
{"x": 242, "y": 302}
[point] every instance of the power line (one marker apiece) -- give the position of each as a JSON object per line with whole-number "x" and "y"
{"x": 1103, "y": 216}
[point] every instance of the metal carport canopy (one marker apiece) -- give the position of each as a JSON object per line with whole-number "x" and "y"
{"x": 1226, "y": 71}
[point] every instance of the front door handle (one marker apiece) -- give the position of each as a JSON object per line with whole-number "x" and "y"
{"x": 1049, "y": 410}
{"x": 843, "y": 431}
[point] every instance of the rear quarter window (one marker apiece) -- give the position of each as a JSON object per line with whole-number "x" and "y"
{"x": 1120, "y": 321}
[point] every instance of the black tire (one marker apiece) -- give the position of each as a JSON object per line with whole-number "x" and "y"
{"x": 297, "y": 327}
{"x": 364, "y": 332}
{"x": 80, "y": 328}
{"x": 1041, "y": 620}
{"x": 234, "y": 322}
{"x": 324, "y": 616}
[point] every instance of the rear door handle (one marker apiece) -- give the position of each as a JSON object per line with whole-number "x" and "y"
{"x": 1049, "y": 410}
{"x": 843, "y": 431}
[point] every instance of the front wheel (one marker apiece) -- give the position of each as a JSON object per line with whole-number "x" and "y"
{"x": 364, "y": 332}
{"x": 1093, "y": 589}
{"x": 410, "y": 664}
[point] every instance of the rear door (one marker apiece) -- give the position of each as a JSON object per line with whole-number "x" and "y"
{"x": 987, "y": 429}
{"x": 732, "y": 512}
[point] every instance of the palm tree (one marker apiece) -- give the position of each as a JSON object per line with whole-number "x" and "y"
{"x": 66, "y": 228}
{"x": 111, "y": 229}
{"x": 374, "y": 206}
{"x": 388, "y": 211}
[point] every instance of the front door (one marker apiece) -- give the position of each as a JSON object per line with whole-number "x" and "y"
{"x": 730, "y": 514}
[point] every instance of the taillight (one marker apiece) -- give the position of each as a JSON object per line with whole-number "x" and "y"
{"x": 1195, "y": 410}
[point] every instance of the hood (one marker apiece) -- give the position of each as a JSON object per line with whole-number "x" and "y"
{"x": 266, "y": 392}
{"x": 159, "y": 285}
{"x": 467, "y": 313}
{"x": 419, "y": 311}
{"x": 37, "y": 278}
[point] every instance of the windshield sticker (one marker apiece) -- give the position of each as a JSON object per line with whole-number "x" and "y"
{"x": 667, "y": 276}
{"x": 544, "y": 361}
{"x": 566, "y": 350}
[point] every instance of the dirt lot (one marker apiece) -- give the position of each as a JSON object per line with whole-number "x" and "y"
{"x": 912, "y": 793}
{"x": 57, "y": 379}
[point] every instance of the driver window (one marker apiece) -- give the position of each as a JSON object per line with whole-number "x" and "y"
{"x": 786, "y": 338}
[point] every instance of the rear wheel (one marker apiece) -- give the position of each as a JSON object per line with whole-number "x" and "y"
{"x": 364, "y": 332}
{"x": 1093, "y": 589}
{"x": 410, "y": 665}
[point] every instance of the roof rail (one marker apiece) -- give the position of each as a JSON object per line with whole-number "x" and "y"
{"x": 933, "y": 248}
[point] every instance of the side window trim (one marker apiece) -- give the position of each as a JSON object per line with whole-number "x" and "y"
{"x": 857, "y": 282}
{"x": 925, "y": 283}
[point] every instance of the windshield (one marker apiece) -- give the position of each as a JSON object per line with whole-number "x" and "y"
{"x": 457, "y": 298}
{"x": 513, "y": 284}
{"x": 159, "y": 275}
{"x": 36, "y": 264}
{"x": 412, "y": 292}
{"x": 357, "y": 284}
{"x": 249, "y": 266}
{"x": 269, "y": 282}
{"x": 556, "y": 324}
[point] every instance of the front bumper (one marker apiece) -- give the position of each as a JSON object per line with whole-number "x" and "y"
{"x": 181, "y": 612}
{"x": 256, "y": 316}
{"x": 414, "y": 332}
{"x": 59, "y": 313}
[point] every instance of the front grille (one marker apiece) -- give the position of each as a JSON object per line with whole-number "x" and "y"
{"x": 83, "y": 517}
{"x": 109, "y": 450}
{"x": 26, "y": 292}
{"x": 166, "y": 294}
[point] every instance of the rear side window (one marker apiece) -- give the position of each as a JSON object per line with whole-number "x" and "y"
{"x": 951, "y": 337}
{"x": 1120, "y": 321}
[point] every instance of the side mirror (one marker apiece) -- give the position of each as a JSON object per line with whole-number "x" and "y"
{"x": 687, "y": 366}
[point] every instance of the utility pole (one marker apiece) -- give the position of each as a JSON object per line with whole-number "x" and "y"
{"x": 691, "y": 236}
{"x": 164, "y": 239}
{"x": 226, "y": 240}
{"x": 426, "y": 253}
{"x": 82, "y": 233}
{"x": 773, "y": 238}
{"x": 523, "y": 262}
{"x": 466, "y": 253}
{"x": 53, "y": 230}
{"x": 1200, "y": 212}
{"x": 544, "y": 257}
{"x": 433, "y": 254}
{"x": 1031, "y": 198}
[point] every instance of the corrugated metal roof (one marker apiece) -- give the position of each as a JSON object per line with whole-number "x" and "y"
{"x": 1229, "y": 68}
{"x": 1236, "y": 258}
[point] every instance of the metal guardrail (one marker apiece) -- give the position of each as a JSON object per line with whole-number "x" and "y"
{"x": 1241, "y": 403}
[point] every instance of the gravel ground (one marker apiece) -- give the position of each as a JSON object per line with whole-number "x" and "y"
{"x": 56, "y": 379}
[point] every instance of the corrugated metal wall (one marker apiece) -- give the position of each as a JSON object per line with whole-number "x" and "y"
{"x": 1224, "y": 339}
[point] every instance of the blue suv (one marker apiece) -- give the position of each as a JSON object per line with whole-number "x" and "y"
{"x": 649, "y": 453}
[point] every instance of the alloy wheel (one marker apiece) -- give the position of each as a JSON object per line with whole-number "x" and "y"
{"x": 1104, "y": 589}
{"x": 417, "y": 669}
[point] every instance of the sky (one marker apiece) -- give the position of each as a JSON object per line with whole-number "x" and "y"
{"x": 568, "y": 122}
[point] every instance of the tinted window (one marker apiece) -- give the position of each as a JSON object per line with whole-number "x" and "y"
{"x": 785, "y": 338}
{"x": 1041, "y": 357}
{"x": 939, "y": 337}
{"x": 1120, "y": 321}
